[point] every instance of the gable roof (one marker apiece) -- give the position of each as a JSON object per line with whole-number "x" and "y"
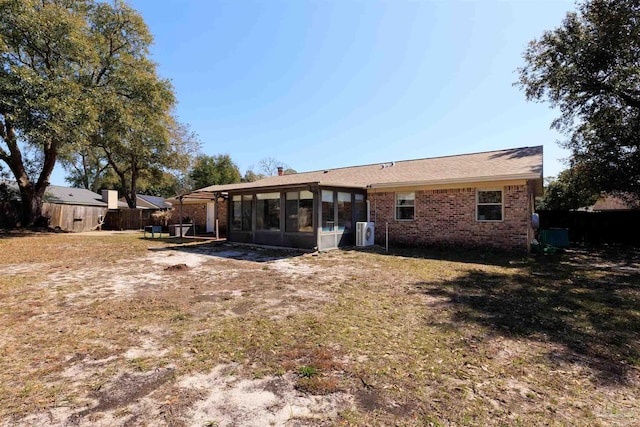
{"x": 516, "y": 163}
{"x": 611, "y": 202}
{"x": 63, "y": 195}
{"x": 72, "y": 196}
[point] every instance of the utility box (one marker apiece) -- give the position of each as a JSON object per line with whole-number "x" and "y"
{"x": 365, "y": 233}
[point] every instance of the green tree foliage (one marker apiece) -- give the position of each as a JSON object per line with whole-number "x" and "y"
{"x": 589, "y": 68}
{"x": 214, "y": 170}
{"x": 86, "y": 169}
{"x": 152, "y": 182}
{"x": 136, "y": 131}
{"x": 251, "y": 176}
{"x": 44, "y": 107}
{"x": 574, "y": 189}
{"x": 164, "y": 184}
{"x": 76, "y": 81}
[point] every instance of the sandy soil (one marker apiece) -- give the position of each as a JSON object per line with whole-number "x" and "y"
{"x": 220, "y": 397}
{"x": 204, "y": 335}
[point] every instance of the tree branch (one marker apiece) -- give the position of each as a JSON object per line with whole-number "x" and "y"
{"x": 600, "y": 87}
{"x": 4, "y": 156}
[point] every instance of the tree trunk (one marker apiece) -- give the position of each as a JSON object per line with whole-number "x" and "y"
{"x": 31, "y": 204}
{"x": 134, "y": 184}
{"x": 130, "y": 196}
{"x": 31, "y": 194}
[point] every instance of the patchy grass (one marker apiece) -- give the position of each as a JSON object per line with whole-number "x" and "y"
{"x": 100, "y": 329}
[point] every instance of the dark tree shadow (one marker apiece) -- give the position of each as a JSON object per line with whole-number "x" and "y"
{"x": 14, "y": 233}
{"x": 517, "y": 153}
{"x": 486, "y": 256}
{"x": 228, "y": 250}
{"x": 587, "y": 302}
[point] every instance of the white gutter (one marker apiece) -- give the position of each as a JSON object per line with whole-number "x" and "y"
{"x": 456, "y": 180}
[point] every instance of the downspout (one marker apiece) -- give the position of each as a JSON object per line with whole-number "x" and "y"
{"x": 181, "y": 197}
{"x": 216, "y": 215}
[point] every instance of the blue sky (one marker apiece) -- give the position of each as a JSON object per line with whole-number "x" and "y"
{"x": 322, "y": 84}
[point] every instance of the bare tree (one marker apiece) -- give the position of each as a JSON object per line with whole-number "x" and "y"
{"x": 269, "y": 166}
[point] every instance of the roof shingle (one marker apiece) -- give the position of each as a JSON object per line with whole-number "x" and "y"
{"x": 513, "y": 163}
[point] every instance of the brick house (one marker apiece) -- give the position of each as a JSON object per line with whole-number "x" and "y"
{"x": 202, "y": 212}
{"x": 479, "y": 199}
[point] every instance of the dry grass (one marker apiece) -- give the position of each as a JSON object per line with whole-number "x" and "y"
{"x": 99, "y": 327}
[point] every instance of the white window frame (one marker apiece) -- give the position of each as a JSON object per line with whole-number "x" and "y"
{"x": 396, "y": 206}
{"x": 481, "y": 190}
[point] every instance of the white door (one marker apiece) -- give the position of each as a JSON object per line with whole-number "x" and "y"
{"x": 211, "y": 217}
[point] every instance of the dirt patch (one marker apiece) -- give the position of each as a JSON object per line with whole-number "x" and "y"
{"x": 369, "y": 400}
{"x": 177, "y": 267}
{"x": 127, "y": 389}
{"x": 231, "y": 401}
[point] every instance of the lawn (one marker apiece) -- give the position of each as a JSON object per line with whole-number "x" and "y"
{"x": 119, "y": 330}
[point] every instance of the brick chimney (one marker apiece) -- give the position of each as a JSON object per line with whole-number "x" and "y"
{"x": 280, "y": 171}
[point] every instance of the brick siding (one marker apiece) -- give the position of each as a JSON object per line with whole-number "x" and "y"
{"x": 198, "y": 213}
{"x": 447, "y": 217}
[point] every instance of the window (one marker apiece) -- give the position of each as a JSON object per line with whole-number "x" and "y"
{"x": 246, "y": 212}
{"x": 268, "y": 211}
{"x": 405, "y": 206}
{"x": 299, "y": 211}
{"x": 241, "y": 213}
{"x": 489, "y": 205}
{"x": 328, "y": 211}
{"x": 236, "y": 213}
{"x": 345, "y": 212}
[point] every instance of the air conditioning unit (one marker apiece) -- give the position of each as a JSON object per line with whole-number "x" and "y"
{"x": 364, "y": 233}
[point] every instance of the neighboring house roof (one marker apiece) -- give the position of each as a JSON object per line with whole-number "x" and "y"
{"x": 612, "y": 203}
{"x": 65, "y": 195}
{"x": 149, "y": 202}
{"x": 153, "y": 202}
{"x": 72, "y": 196}
{"x": 516, "y": 163}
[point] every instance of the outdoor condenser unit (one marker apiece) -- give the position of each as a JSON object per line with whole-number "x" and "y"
{"x": 364, "y": 233}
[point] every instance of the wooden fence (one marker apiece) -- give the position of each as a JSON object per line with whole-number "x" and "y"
{"x": 9, "y": 214}
{"x": 130, "y": 219}
{"x": 65, "y": 217}
{"x": 73, "y": 217}
{"x": 622, "y": 227}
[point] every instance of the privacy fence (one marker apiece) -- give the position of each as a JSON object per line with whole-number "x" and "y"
{"x": 83, "y": 218}
{"x": 63, "y": 217}
{"x": 621, "y": 227}
{"x": 130, "y": 219}
{"x": 86, "y": 218}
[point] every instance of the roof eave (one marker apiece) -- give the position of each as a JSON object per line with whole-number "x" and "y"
{"x": 333, "y": 184}
{"x": 456, "y": 180}
{"x": 75, "y": 203}
{"x": 207, "y": 194}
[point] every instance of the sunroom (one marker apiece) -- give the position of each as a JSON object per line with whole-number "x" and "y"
{"x": 308, "y": 217}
